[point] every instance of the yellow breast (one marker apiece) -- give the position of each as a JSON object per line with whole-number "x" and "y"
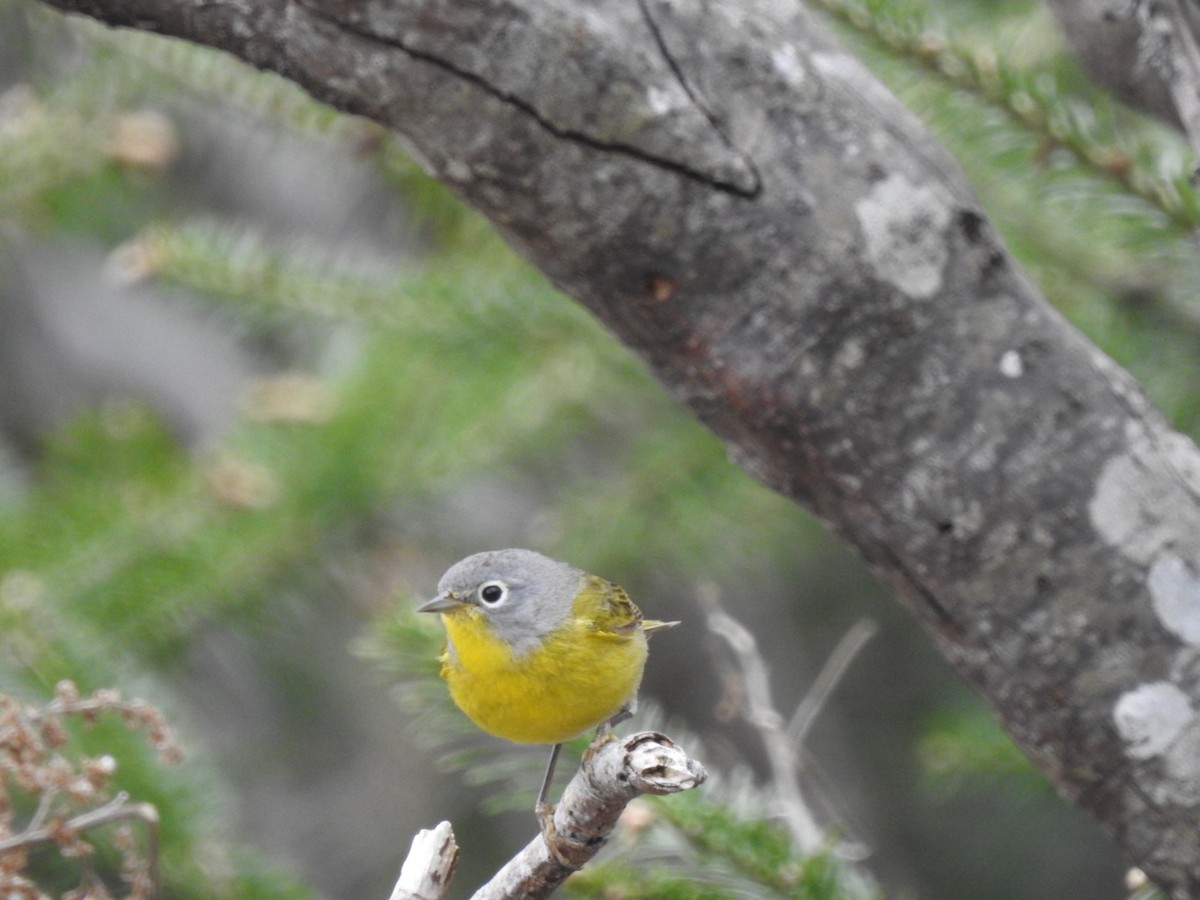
{"x": 580, "y": 676}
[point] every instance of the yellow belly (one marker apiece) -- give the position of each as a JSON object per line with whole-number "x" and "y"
{"x": 576, "y": 679}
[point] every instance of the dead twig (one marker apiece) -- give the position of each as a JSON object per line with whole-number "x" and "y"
{"x": 759, "y": 710}
{"x": 430, "y": 865}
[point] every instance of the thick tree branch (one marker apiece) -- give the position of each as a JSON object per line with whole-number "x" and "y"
{"x": 800, "y": 263}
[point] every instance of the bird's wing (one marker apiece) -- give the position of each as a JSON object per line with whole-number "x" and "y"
{"x": 608, "y": 607}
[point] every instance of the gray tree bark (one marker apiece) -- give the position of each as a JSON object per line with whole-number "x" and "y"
{"x": 799, "y": 262}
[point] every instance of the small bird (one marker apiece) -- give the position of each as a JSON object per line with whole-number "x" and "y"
{"x": 538, "y": 651}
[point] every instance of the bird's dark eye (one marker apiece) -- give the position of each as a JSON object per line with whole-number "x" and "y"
{"x": 493, "y": 593}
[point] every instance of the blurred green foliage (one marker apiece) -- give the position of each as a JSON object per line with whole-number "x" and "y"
{"x": 466, "y": 365}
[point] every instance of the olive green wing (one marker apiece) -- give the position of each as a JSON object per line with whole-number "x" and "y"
{"x": 608, "y": 607}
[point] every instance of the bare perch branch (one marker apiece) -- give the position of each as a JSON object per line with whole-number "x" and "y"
{"x": 612, "y": 774}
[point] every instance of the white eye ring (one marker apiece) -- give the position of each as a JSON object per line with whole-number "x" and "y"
{"x": 492, "y": 593}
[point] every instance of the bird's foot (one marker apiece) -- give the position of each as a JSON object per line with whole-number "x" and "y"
{"x": 604, "y": 735}
{"x": 554, "y": 844}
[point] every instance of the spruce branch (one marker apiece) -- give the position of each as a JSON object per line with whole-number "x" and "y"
{"x": 1029, "y": 97}
{"x": 207, "y": 73}
{"x": 235, "y": 262}
{"x": 733, "y": 843}
{"x": 238, "y": 264}
{"x": 44, "y": 143}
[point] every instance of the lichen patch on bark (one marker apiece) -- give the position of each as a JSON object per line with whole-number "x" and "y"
{"x": 902, "y": 224}
{"x": 1175, "y": 592}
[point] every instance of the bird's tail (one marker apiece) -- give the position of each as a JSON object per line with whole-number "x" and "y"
{"x": 652, "y": 625}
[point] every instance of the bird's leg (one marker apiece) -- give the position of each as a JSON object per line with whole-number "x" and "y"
{"x": 625, "y": 712}
{"x": 544, "y": 809}
{"x": 541, "y": 807}
{"x": 545, "y": 813}
{"x": 604, "y": 731}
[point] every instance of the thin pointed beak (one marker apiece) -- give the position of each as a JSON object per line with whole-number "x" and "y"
{"x": 441, "y": 603}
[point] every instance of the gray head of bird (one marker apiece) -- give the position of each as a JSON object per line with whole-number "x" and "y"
{"x": 523, "y": 594}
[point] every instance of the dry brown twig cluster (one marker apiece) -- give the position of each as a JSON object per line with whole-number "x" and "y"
{"x": 49, "y": 797}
